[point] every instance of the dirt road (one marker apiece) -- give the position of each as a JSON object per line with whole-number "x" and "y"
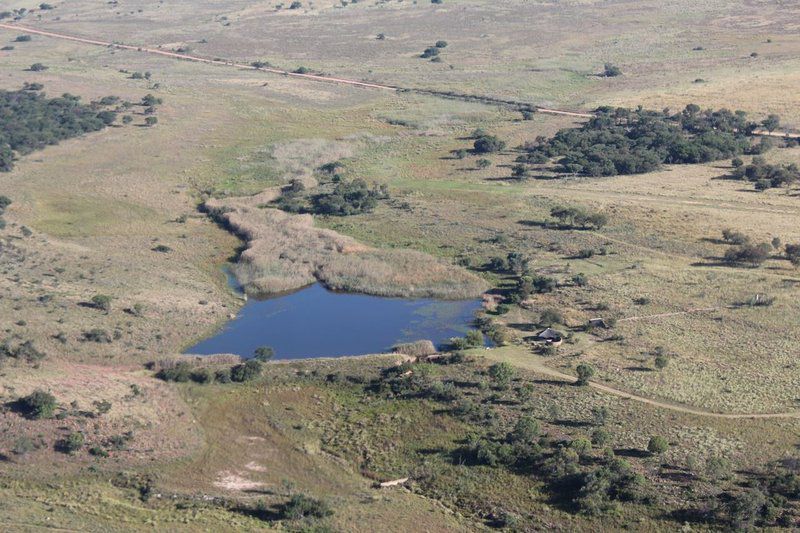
{"x": 327, "y": 79}
{"x": 522, "y": 358}
{"x": 313, "y": 77}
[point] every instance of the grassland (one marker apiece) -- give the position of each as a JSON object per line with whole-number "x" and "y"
{"x": 89, "y": 215}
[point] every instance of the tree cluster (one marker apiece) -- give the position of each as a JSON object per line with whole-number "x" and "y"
{"x": 624, "y": 141}
{"x": 29, "y": 121}
{"x": 183, "y": 372}
{"x": 766, "y": 176}
{"x": 350, "y": 198}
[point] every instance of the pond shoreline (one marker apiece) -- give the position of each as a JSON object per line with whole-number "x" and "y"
{"x": 315, "y": 322}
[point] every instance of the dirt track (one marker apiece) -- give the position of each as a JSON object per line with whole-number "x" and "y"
{"x": 328, "y": 79}
{"x": 522, "y": 358}
{"x": 312, "y": 77}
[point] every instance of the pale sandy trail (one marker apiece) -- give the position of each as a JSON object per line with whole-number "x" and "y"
{"x": 522, "y": 358}
{"x": 220, "y": 62}
{"x": 318, "y": 77}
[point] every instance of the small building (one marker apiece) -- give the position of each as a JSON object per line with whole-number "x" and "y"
{"x": 598, "y": 323}
{"x": 550, "y": 336}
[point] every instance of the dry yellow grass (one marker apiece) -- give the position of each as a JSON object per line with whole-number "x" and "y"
{"x": 286, "y": 252}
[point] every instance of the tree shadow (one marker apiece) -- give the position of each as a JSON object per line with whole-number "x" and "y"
{"x": 632, "y": 452}
{"x": 554, "y": 382}
{"x": 571, "y": 423}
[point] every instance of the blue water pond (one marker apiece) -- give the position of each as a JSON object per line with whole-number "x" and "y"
{"x": 315, "y": 322}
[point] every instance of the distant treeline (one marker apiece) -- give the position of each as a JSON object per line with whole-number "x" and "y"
{"x": 626, "y": 141}
{"x": 29, "y": 121}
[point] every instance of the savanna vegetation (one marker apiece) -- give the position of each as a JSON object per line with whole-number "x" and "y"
{"x": 30, "y": 120}
{"x": 635, "y": 141}
{"x": 672, "y": 293}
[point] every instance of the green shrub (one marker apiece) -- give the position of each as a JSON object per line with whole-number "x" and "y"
{"x": 501, "y": 374}
{"x": 657, "y": 445}
{"x": 431, "y": 51}
{"x": 223, "y": 375}
{"x": 180, "y": 372}
{"x": 611, "y": 71}
{"x": 23, "y": 446}
{"x": 487, "y": 144}
{"x": 585, "y": 373}
{"x": 748, "y": 254}
{"x": 102, "y": 406}
{"x": 98, "y": 451}
{"x": 202, "y": 375}
{"x": 102, "y": 302}
{"x": 579, "y": 217}
{"x": 263, "y": 353}
{"x": 38, "y": 405}
{"x": 600, "y": 437}
{"x": 72, "y": 442}
{"x": 349, "y": 198}
{"x": 97, "y": 335}
{"x": 248, "y": 371}
{"x": 526, "y": 430}
{"x": 301, "y": 507}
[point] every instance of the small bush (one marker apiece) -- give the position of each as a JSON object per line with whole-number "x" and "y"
{"x": 488, "y": 144}
{"x": 72, "y": 442}
{"x": 98, "y": 451}
{"x": 263, "y": 353}
{"x": 38, "y": 405}
{"x": 611, "y": 71}
{"x": 246, "y": 372}
{"x": 202, "y": 375}
{"x": 657, "y": 445}
{"x": 181, "y": 372}
{"x": 301, "y": 506}
{"x": 748, "y": 254}
{"x": 429, "y": 52}
{"x": 223, "y": 375}
{"x": 102, "y": 302}
{"x": 585, "y": 373}
{"x": 501, "y": 374}
{"x": 23, "y": 446}
{"x": 97, "y": 335}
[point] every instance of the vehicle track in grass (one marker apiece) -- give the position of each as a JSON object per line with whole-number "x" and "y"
{"x": 522, "y": 358}
{"x": 311, "y": 77}
{"x": 490, "y": 100}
